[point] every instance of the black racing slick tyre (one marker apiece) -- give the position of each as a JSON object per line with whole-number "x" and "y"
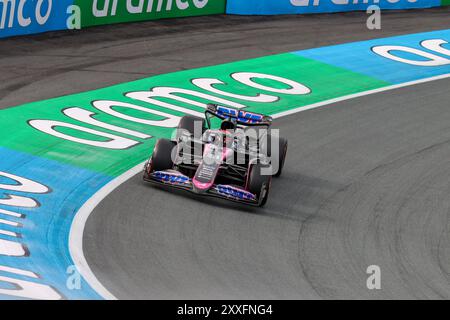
{"x": 281, "y": 156}
{"x": 258, "y": 183}
{"x": 161, "y": 158}
{"x": 282, "y": 151}
{"x": 188, "y": 123}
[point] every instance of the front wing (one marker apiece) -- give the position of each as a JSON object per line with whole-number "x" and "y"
{"x": 175, "y": 179}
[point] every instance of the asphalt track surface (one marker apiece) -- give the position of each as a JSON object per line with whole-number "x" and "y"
{"x": 366, "y": 180}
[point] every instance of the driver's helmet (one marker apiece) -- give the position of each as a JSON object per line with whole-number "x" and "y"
{"x": 227, "y": 125}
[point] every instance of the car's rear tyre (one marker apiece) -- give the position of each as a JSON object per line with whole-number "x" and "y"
{"x": 161, "y": 158}
{"x": 259, "y": 184}
{"x": 188, "y": 123}
{"x": 282, "y": 151}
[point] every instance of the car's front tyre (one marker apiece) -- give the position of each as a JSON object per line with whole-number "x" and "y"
{"x": 259, "y": 183}
{"x": 161, "y": 158}
{"x": 189, "y": 123}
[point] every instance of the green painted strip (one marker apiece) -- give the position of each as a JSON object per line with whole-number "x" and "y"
{"x": 108, "y": 12}
{"x": 445, "y": 3}
{"x": 325, "y": 81}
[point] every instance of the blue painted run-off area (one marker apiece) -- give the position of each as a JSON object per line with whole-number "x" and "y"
{"x": 360, "y": 58}
{"x": 45, "y": 229}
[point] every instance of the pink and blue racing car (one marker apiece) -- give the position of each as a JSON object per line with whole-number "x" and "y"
{"x": 231, "y": 154}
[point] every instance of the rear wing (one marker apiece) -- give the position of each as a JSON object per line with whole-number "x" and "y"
{"x": 241, "y": 116}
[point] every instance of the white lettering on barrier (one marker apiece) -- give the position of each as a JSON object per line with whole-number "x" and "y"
{"x": 315, "y": 3}
{"x": 433, "y": 60}
{"x": 182, "y": 4}
{"x": 200, "y": 3}
{"x": 150, "y": 5}
{"x": 23, "y": 22}
{"x": 160, "y": 3}
{"x": 42, "y": 19}
{"x": 137, "y": 6}
{"x": 304, "y": 3}
{"x": 10, "y": 5}
{"x": 99, "y": 13}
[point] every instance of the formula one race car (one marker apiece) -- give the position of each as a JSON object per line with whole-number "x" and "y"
{"x": 234, "y": 162}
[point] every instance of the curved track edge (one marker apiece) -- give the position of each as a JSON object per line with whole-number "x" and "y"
{"x": 81, "y": 217}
